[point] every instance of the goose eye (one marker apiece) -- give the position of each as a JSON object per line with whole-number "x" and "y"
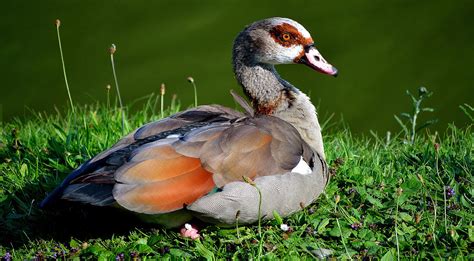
{"x": 285, "y": 36}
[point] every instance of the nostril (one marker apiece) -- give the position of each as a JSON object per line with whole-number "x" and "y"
{"x": 317, "y": 58}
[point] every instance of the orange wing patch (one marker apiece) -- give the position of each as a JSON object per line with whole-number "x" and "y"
{"x": 161, "y": 163}
{"x": 167, "y": 195}
{"x": 160, "y": 180}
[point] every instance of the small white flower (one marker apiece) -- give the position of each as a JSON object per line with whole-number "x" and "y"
{"x": 188, "y": 226}
{"x": 284, "y": 227}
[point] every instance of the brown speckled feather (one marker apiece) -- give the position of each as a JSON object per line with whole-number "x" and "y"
{"x": 98, "y": 173}
{"x": 251, "y": 147}
{"x": 173, "y": 172}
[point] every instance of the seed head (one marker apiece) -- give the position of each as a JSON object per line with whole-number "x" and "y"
{"x": 57, "y": 22}
{"x": 108, "y": 87}
{"x": 249, "y": 180}
{"x": 162, "y": 89}
{"x": 452, "y": 233}
{"x": 422, "y": 91}
{"x": 382, "y": 185}
{"x": 399, "y": 191}
{"x": 417, "y": 218}
{"x": 338, "y": 198}
{"x": 112, "y": 49}
{"x": 421, "y": 179}
{"x": 190, "y": 79}
{"x": 436, "y": 146}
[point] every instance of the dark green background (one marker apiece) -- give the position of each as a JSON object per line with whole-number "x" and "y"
{"x": 381, "y": 48}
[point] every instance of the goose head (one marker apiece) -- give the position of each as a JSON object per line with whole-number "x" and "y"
{"x": 261, "y": 46}
{"x": 278, "y": 40}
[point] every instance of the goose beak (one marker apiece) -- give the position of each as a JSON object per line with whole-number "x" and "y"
{"x": 315, "y": 60}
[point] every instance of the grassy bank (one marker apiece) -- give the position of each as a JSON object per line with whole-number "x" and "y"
{"x": 387, "y": 197}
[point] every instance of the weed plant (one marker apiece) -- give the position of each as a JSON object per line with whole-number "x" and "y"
{"x": 420, "y": 193}
{"x": 406, "y": 197}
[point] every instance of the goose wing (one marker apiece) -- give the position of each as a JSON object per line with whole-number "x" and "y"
{"x": 159, "y": 170}
{"x": 94, "y": 180}
{"x": 172, "y": 173}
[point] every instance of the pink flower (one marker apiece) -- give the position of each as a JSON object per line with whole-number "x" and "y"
{"x": 189, "y": 231}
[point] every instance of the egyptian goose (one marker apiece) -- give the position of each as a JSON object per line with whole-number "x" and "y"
{"x": 193, "y": 163}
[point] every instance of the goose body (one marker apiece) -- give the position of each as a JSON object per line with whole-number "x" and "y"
{"x": 193, "y": 163}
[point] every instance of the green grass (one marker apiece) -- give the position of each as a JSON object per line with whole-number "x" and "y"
{"x": 394, "y": 198}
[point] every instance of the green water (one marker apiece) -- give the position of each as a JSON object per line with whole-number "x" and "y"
{"x": 381, "y": 48}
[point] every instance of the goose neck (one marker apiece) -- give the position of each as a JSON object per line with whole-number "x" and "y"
{"x": 271, "y": 95}
{"x": 261, "y": 84}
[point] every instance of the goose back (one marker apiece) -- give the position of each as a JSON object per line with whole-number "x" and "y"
{"x": 167, "y": 165}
